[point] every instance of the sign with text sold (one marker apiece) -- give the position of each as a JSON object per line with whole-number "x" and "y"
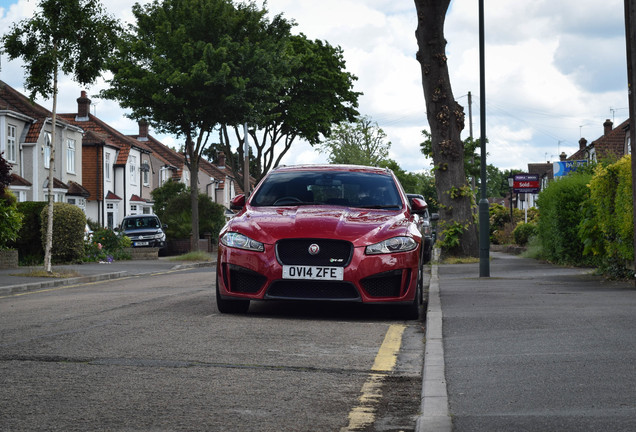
{"x": 526, "y": 183}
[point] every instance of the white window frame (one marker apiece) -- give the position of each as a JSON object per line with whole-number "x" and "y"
{"x": 70, "y": 156}
{"x": 12, "y": 150}
{"x": 107, "y": 165}
{"x": 133, "y": 170}
{"x": 47, "y": 150}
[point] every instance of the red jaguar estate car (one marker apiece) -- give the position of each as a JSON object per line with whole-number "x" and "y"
{"x": 322, "y": 232}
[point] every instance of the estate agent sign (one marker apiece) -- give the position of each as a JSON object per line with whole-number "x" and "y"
{"x": 526, "y": 183}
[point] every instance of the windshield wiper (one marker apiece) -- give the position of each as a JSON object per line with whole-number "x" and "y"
{"x": 379, "y": 207}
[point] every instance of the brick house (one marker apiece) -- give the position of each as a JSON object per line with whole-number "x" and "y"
{"x": 26, "y": 130}
{"x": 115, "y": 168}
{"x": 613, "y": 144}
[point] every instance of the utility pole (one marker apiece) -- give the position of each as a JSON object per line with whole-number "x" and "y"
{"x": 630, "y": 34}
{"x": 484, "y": 216}
{"x": 470, "y": 128}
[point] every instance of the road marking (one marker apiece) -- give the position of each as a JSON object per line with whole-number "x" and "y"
{"x": 363, "y": 414}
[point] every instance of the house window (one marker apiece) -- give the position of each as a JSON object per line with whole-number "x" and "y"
{"x": 11, "y": 144}
{"x": 146, "y": 210}
{"x": 145, "y": 168}
{"x": 47, "y": 150}
{"x": 70, "y": 156}
{"x": 110, "y": 206}
{"x": 133, "y": 170}
{"x": 107, "y": 166}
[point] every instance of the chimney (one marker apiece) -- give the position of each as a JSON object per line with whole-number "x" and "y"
{"x": 83, "y": 107}
{"x": 563, "y": 156}
{"x": 143, "y": 130}
{"x": 582, "y": 143}
{"x": 221, "y": 160}
{"x": 607, "y": 127}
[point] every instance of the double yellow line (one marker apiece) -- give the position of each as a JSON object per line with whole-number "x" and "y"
{"x": 364, "y": 413}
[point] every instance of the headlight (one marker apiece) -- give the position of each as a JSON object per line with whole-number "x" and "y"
{"x": 395, "y": 244}
{"x": 236, "y": 240}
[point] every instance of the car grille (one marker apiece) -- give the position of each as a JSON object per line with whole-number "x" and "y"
{"x": 246, "y": 281}
{"x": 388, "y": 284}
{"x": 312, "y": 290}
{"x": 335, "y": 253}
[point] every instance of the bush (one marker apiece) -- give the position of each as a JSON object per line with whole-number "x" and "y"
{"x": 106, "y": 245}
{"x": 560, "y": 215}
{"x": 523, "y": 232}
{"x": 607, "y": 228}
{"x": 68, "y": 232}
{"x": 172, "y": 206}
{"x": 29, "y": 243}
{"x": 10, "y": 219}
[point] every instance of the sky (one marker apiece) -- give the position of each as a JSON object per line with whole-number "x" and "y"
{"x": 554, "y": 71}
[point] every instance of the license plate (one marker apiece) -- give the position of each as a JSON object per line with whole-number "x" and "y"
{"x": 141, "y": 244}
{"x": 313, "y": 272}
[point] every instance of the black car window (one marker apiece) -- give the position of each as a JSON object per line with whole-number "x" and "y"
{"x": 355, "y": 189}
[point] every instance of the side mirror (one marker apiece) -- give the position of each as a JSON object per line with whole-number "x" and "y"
{"x": 418, "y": 205}
{"x": 164, "y": 226}
{"x": 434, "y": 216}
{"x": 238, "y": 202}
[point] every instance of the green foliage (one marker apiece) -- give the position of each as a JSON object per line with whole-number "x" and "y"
{"x": 524, "y": 232}
{"x": 450, "y": 236}
{"x": 68, "y": 232}
{"x": 107, "y": 246}
{"x": 28, "y": 242}
{"x": 10, "y": 219}
{"x": 607, "y": 227}
{"x": 359, "y": 143}
{"x": 560, "y": 205}
{"x": 172, "y": 206}
{"x": 74, "y": 36}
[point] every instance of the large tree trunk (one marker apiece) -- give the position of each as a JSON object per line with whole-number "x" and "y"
{"x": 446, "y": 120}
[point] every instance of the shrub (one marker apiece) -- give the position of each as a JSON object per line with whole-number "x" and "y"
{"x": 172, "y": 206}
{"x": 560, "y": 216}
{"x": 106, "y": 245}
{"x": 10, "y": 219}
{"x": 68, "y": 232}
{"x": 28, "y": 243}
{"x": 607, "y": 228}
{"x": 523, "y": 232}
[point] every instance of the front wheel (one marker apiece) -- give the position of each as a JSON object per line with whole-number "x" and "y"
{"x": 230, "y": 306}
{"x": 412, "y": 310}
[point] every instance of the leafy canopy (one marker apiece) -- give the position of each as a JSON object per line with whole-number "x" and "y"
{"x": 74, "y": 36}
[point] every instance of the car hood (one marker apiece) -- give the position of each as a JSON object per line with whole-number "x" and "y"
{"x": 142, "y": 231}
{"x": 359, "y": 226}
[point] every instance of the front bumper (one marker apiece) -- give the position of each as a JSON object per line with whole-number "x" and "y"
{"x": 390, "y": 278}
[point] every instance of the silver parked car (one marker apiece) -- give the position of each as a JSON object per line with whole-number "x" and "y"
{"x": 144, "y": 230}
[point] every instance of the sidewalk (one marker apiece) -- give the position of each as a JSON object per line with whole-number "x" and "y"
{"x": 14, "y": 280}
{"x": 534, "y": 347}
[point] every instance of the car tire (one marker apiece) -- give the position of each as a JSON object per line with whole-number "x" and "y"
{"x": 412, "y": 310}
{"x": 230, "y": 306}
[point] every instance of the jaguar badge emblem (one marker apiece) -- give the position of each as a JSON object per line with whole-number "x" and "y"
{"x": 314, "y": 249}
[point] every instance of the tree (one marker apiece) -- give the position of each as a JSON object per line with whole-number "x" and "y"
{"x": 318, "y": 94}
{"x": 446, "y": 120}
{"x": 171, "y": 206}
{"x": 71, "y": 36}
{"x": 189, "y": 66}
{"x": 360, "y": 143}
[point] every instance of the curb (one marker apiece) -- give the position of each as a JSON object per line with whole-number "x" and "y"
{"x": 434, "y": 415}
{"x": 33, "y": 286}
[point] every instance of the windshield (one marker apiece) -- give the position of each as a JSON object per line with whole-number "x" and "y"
{"x": 352, "y": 189}
{"x": 140, "y": 222}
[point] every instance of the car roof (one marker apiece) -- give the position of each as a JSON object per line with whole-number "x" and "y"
{"x": 331, "y": 167}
